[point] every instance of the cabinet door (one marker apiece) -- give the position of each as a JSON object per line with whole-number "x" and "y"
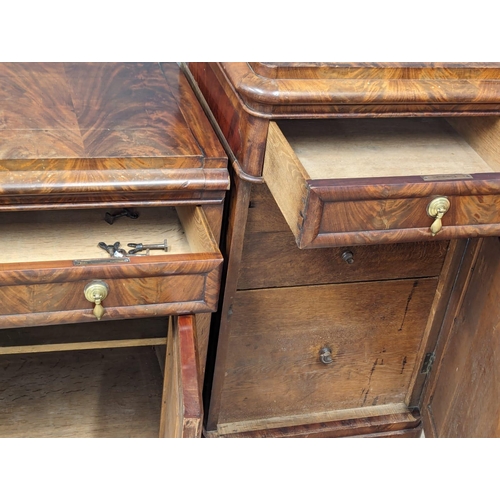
{"x": 463, "y": 396}
{"x": 182, "y": 412}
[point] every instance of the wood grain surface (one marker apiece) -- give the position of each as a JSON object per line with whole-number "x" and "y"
{"x": 107, "y": 393}
{"x": 463, "y": 399}
{"x": 51, "y": 291}
{"x": 78, "y": 128}
{"x": 182, "y": 411}
{"x": 271, "y": 257}
{"x": 336, "y": 149}
{"x": 373, "y": 329}
{"x": 334, "y": 212}
{"x": 367, "y": 89}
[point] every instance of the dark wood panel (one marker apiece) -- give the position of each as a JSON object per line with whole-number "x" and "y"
{"x": 463, "y": 399}
{"x": 274, "y": 260}
{"x": 373, "y": 329}
{"x": 143, "y": 328}
{"x": 271, "y": 257}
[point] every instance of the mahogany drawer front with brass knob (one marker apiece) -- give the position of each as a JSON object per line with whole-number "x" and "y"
{"x": 53, "y": 271}
{"x": 365, "y": 181}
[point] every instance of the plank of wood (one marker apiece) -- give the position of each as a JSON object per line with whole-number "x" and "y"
{"x": 374, "y": 331}
{"x": 76, "y": 333}
{"x": 182, "y": 411}
{"x": 108, "y": 393}
{"x": 272, "y": 258}
{"x": 286, "y": 178}
{"x": 483, "y": 134}
{"x": 80, "y": 346}
{"x": 345, "y": 149}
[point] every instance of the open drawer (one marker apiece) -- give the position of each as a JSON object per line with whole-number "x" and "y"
{"x": 53, "y": 271}
{"x": 58, "y": 381}
{"x": 366, "y": 181}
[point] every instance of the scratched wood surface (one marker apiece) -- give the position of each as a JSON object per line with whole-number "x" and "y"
{"x": 106, "y": 393}
{"x": 182, "y": 410}
{"x": 271, "y": 257}
{"x": 373, "y": 329}
{"x": 129, "y": 128}
{"x": 463, "y": 398}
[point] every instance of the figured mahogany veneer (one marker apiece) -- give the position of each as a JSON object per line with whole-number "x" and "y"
{"x": 365, "y": 89}
{"x": 83, "y": 133}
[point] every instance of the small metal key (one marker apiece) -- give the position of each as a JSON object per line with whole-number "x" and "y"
{"x": 126, "y": 212}
{"x": 113, "y": 250}
{"x": 139, "y": 247}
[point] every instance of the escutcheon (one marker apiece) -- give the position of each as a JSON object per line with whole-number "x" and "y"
{"x": 96, "y": 292}
{"x": 436, "y": 209}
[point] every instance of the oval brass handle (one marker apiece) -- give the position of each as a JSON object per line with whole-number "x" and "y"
{"x": 436, "y": 209}
{"x": 96, "y": 292}
{"x": 325, "y": 355}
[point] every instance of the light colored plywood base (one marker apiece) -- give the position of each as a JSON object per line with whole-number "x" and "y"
{"x": 75, "y": 234}
{"x": 343, "y": 149}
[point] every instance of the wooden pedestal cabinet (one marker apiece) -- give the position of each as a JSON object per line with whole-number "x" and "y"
{"x": 362, "y": 252}
{"x": 95, "y": 161}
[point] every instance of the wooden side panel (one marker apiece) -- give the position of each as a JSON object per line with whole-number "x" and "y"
{"x": 383, "y": 421}
{"x": 286, "y": 178}
{"x": 463, "y": 399}
{"x": 182, "y": 411}
{"x": 373, "y": 330}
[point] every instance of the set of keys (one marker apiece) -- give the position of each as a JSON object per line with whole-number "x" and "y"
{"x": 115, "y": 249}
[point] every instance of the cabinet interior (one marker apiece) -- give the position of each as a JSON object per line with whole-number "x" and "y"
{"x": 89, "y": 392}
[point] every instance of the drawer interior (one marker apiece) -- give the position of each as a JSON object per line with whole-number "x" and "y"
{"x": 364, "y": 148}
{"x": 75, "y": 234}
{"x": 83, "y": 391}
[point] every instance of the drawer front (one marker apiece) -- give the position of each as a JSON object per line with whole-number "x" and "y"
{"x": 386, "y": 221}
{"x": 372, "y": 330}
{"x": 46, "y": 290}
{"x": 373, "y": 181}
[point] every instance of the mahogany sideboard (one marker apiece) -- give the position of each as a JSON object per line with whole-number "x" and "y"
{"x": 95, "y": 160}
{"x": 362, "y": 261}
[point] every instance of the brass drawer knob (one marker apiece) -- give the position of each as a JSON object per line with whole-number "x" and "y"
{"x": 436, "y": 209}
{"x": 96, "y": 292}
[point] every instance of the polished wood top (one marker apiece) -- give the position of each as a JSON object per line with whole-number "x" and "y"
{"x": 80, "y": 127}
{"x": 291, "y": 90}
